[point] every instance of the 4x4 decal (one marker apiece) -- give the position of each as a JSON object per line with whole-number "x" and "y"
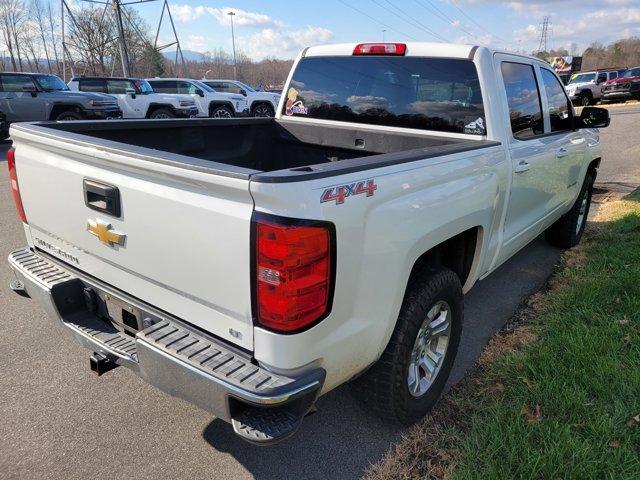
{"x": 341, "y": 192}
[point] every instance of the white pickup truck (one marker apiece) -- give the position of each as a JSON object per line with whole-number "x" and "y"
{"x": 251, "y": 265}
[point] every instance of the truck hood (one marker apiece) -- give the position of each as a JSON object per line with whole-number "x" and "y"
{"x": 269, "y": 96}
{"x": 619, "y": 80}
{"x": 578, "y": 85}
{"x": 87, "y": 95}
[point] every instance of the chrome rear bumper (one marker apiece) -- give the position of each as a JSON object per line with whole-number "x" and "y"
{"x": 167, "y": 353}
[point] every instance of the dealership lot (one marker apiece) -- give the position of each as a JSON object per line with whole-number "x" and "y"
{"x": 59, "y": 420}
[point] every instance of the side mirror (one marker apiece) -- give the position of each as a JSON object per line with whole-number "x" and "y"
{"x": 131, "y": 91}
{"x": 594, "y": 117}
{"x": 243, "y": 92}
{"x": 30, "y": 89}
{"x": 199, "y": 92}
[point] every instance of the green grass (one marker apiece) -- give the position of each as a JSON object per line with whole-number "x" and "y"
{"x": 583, "y": 372}
{"x": 577, "y": 357}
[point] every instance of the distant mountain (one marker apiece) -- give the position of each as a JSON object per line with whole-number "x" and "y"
{"x": 189, "y": 55}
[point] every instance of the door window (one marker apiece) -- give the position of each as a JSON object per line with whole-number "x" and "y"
{"x": 231, "y": 87}
{"x": 164, "y": 86}
{"x": 560, "y": 111}
{"x": 602, "y": 77}
{"x": 15, "y": 83}
{"x": 92, "y": 85}
{"x": 119, "y": 87}
{"x": 523, "y": 99}
{"x": 187, "y": 88}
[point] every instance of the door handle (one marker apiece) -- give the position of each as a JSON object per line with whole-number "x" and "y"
{"x": 522, "y": 167}
{"x": 562, "y": 152}
{"x": 102, "y": 197}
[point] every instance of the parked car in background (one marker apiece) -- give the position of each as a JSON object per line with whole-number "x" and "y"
{"x": 4, "y": 127}
{"x": 136, "y": 98}
{"x": 251, "y": 265}
{"x": 585, "y": 88}
{"x": 261, "y": 104}
{"x": 209, "y": 102}
{"x": 624, "y": 87}
{"x": 25, "y": 97}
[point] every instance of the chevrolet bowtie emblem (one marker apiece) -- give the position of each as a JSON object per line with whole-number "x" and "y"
{"x": 105, "y": 233}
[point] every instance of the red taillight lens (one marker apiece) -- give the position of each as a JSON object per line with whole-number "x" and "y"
{"x": 15, "y": 189}
{"x": 380, "y": 49}
{"x": 293, "y": 274}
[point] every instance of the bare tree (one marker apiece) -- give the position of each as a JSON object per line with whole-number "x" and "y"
{"x": 12, "y": 15}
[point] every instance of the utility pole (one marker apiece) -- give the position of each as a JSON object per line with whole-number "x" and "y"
{"x": 544, "y": 34}
{"x": 124, "y": 56}
{"x": 64, "y": 63}
{"x": 233, "y": 43}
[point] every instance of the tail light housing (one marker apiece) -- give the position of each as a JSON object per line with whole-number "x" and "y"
{"x": 380, "y": 49}
{"x": 15, "y": 188}
{"x": 294, "y": 272}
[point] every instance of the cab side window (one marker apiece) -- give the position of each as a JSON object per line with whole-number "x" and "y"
{"x": 119, "y": 87}
{"x": 186, "y": 88}
{"x": 231, "y": 88}
{"x": 523, "y": 99}
{"x": 560, "y": 111}
{"x": 602, "y": 77}
{"x": 164, "y": 86}
{"x": 15, "y": 83}
{"x": 92, "y": 85}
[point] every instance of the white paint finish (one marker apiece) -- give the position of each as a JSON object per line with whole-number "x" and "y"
{"x": 414, "y": 49}
{"x": 187, "y": 245}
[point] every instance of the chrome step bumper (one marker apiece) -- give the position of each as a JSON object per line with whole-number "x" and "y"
{"x": 168, "y": 353}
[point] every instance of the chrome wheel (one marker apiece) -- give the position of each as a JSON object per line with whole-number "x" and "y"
{"x": 585, "y": 101}
{"x": 582, "y": 213}
{"x": 262, "y": 111}
{"x": 221, "y": 113}
{"x": 429, "y": 349}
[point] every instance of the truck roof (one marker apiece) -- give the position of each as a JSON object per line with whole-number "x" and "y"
{"x": 414, "y": 49}
{"x": 97, "y": 77}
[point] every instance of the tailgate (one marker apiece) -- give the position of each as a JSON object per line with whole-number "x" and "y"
{"x": 185, "y": 245}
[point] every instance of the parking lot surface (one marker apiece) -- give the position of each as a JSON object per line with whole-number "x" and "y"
{"x": 61, "y": 421}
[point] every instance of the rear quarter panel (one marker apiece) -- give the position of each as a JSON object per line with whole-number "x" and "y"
{"x": 416, "y": 206}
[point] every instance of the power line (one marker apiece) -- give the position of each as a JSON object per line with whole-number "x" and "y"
{"x": 411, "y": 20}
{"x": 376, "y": 20}
{"x": 443, "y": 16}
{"x": 470, "y": 18}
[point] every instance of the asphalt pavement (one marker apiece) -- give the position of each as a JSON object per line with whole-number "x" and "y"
{"x": 59, "y": 421}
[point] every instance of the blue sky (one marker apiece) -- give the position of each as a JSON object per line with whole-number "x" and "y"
{"x": 280, "y": 28}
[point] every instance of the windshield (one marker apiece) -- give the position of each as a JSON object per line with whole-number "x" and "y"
{"x": 246, "y": 87}
{"x": 583, "y": 78}
{"x": 438, "y": 94}
{"x": 143, "y": 86}
{"x": 204, "y": 87}
{"x": 632, "y": 73}
{"x": 51, "y": 83}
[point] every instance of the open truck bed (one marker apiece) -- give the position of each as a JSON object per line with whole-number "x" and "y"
{"x": 264, "y": 149}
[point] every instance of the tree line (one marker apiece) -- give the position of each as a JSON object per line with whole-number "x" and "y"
{"x": 624, "y": 53}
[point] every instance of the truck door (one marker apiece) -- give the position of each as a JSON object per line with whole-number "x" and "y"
{"x": 567, "y": 146}
{"x": 16, "y": 103}
{"x": 534, "y": 186}
{"x": 132, "y": 105}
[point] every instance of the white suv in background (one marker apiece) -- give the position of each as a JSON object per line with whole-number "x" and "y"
{"x": 209, "y": 102}
{"x": 261, "y": 104}
{"x": 136, "y": 98}
{"x": 585, "y": 88}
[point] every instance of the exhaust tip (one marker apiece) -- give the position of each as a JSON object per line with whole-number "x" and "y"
{"x": 101, "y": 364}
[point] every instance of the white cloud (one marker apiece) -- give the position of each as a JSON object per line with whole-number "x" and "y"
{"x": 197, "y": 43}
{"x": 187, "y": 13}
{"x": 282, "y": 43}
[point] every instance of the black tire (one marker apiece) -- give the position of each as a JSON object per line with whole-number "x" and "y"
{"x": 160, "y": 113}
{"x": 263, "y": 110}
{"x": 69, "y": 115}
{"x": 567, "y": 231}
{"x": 221, "y": 111}
{"x": 585, "y": 99}
{"x": 384, "y": 388}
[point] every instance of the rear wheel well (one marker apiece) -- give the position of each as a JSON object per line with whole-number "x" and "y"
{"x": 64, "y": 107}
{"x": 213, "y": 105}
{"x": 593, "y": 167}
{"x": 456, "y": 254}
{"x": 157, "y": 106}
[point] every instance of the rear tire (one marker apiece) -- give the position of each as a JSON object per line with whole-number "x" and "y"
{"x": 221, "y": 112}
{"x": 567, "y": 231}
{"x": 585, "y": 99}
{"x": 263, "y": 110}
{"x": 162, "y": 113}
{"x": 68, "y": 116}
{"x": 389, "y": 388}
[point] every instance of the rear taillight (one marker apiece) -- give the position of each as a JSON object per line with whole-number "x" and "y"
{"x": 15, "y": 188}
{"x": 293, "y": 273}
{"x": 380, "y": 49}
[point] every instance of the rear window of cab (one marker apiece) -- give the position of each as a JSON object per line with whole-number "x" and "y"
{"x": 438, "y": 94}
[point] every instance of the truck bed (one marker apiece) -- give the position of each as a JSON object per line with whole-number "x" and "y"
{"x": 267, "y": 150}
